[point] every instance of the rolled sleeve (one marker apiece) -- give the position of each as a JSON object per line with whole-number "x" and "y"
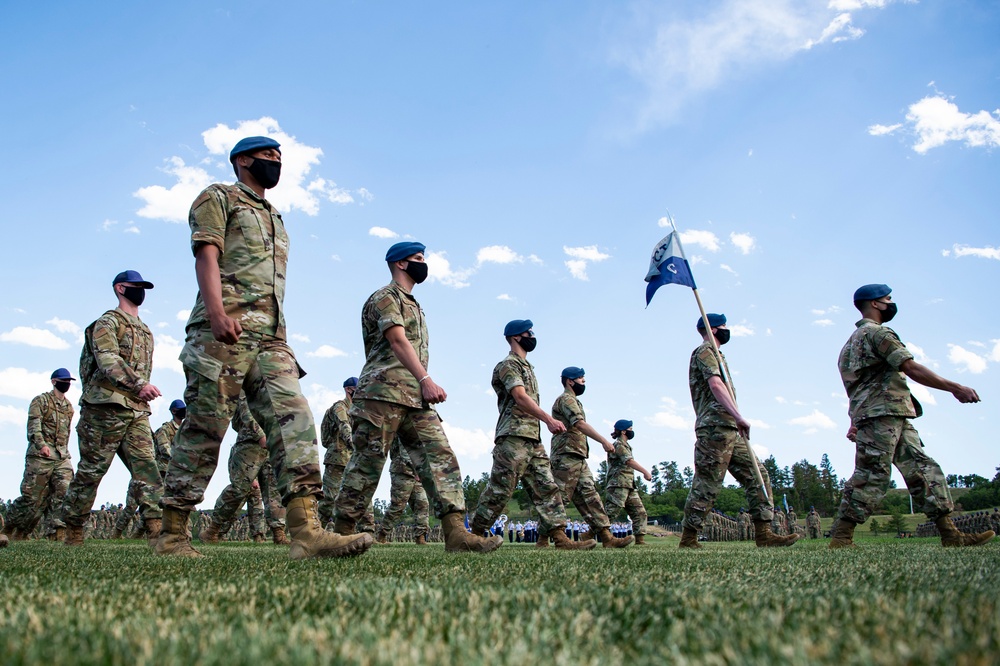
{"x": 208, "y": 221}
{"x": 389, "y": 314}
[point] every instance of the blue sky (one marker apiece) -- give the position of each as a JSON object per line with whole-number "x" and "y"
{"x": 804, "y": 148}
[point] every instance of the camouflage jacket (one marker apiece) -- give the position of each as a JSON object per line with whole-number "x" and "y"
{"x": 163, "y": 440}
{"x": 511, "y": 372}
{"x": 869, "y": 365}
{"x": 49, "y": 419}
{"x": 244, "y": 424}
{"x": 335, "y": 433}
{"x": 812, "y": 519}
{"x": 253, "y": 256}
{"x": 620, "y": 475}
{"x": 122, "y": 349}
{"x": 568, "y": 410}
{"x": 384, "y": 377}
{"x": 704, "y": 365}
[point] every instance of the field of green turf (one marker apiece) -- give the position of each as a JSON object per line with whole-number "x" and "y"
{"x": 889, "y": 602}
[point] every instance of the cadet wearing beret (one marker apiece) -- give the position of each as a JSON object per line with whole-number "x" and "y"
{"x": 874, "y": 365}
{"x": 335, "y": 436}
{"x": 236, "y": 342}
{"x": 518, "y": 453}
{"x": 721, "y": 443}
{"x": 622, "y": 493}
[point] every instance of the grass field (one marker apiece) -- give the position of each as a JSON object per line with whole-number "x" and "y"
{"x": 889, "y": 602}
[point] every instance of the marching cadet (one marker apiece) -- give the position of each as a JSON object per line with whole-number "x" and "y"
{"x": 622, "y": 493}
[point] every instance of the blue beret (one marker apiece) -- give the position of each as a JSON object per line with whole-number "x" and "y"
{"x": 714, "y": 320}
{"x": 133, "y": 277}
{"x": 350, "y": 381}
{"x": 517, "y": 327}
{"x": 623, "y": 424}
{"x": 572, "y": 372}
{"x": 252, "y": 144}
{"x": 401, "y": 251}
{"x": 62, "y": 373}
{"x": 177, "y": 404}
{"x": 870, "y": 292}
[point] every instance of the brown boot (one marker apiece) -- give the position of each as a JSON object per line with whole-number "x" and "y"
{"x": 689, "y": 539}
{"x": 4, "y": 540}
{"x": 842, "y": 534}
{"x": 640, "y": 540}
{"x": 342, "y": 526}
{"x": 765, "y": 538}
{"x": 421, "y": 540}
{"x": 116, "y": 533}
{"x": 608, "y": 541}
{"x": 60, "y": 534}
{"x": 310, "y": 540}
{"x": 210, "y": 532}
{"x": 174, "y": 538}
{"x": 258, "y": 538}
{"x": 153, "y": 527}
{"x": 563, "y": 542}
{"x": 589, "y": 534}
{"x": 952, "y": 537}
{"x": 457, "y": 539}
{"x": 279, "y": 537}
{"x": 543, "y": 541}
{"x": 74, "y": 536}
{"x": 381, "y": 537}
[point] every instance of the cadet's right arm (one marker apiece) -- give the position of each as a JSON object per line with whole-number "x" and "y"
{"x": 35, "y": 435}
{"x": 525, "y": 402}
{"x": 206, "y": 267}
{"x": 722, "y": 394}
{"x": 924, "y": 375}
{"x": 401, "y": 347}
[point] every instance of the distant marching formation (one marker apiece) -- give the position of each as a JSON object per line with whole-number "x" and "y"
{"x": 241, "y": 371}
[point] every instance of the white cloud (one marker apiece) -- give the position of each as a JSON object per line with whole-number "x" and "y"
{"x": 920, "y": 356}
{"x": 182, "y": 315}
{"x": 35, "y": 337}
{"x": 922, "y": 393}
{"x": 498, "y": 254}
{"x": 762, "y": 452}
{"x": 504, "y": 297}
{"x": 131, "y": 229}
{"x": 995, "y": 354}
{"x": 705, "y": 239}
{"x": 758, "y": 424}
{"x": 108, "y": 224}
{"x": 66, "y": 326}
{"x": 936, "y": 120}
{"x": 745, "y": 242}
{"x": 740, "y": 330}
{"x": 326, "y": 351}
{"x": 320, "y": 398}
{"x": 823, "y": 322}
{"x": 440, "y": 270}
{"x": 581, "y": 256}
{"x": 967, "y": 360}
{"x": 172, "y": 204}
{"x": 298, "y": 337}
{"x": 670, "y": 416}
{"x": 814, "y": 421}
{"x": 577, "y": 268}
{"x": 13, "y": 415}
{"x": 365, "y": 195}
{"x": 165, "y": 353}
{"x": 329, "y": 191}
{"x": 729, "y": 269}
{"x": 833, "y": 309}
{"x": 382, "y": 232}
{"x": 471, "y": 443}
{"x": 967, "y": 251}
{"x": 24, "y": 384}
{"x": 780, "y": 400}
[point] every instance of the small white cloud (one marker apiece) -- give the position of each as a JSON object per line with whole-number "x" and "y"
{"x": 920, "y": 356}
{"x": 823, "y": 322}
{"x": 182, "y": 315}
{"x": 131, "y": 229}
{"x": 13, "y": 415}
{"x": 298, "y": 337}
{"x": 813, "y": 421}
{"x": 670, "y": 416}
{"x": 504, "y": 297}
{"x": 758, "y": 424}
{"x": 705, "y": 239}
{"x": 995, "y": 354}
{"x": 498, "y": 254}
{"x": 586, "y": 253}
{"x": 535, "y": 259}
{"x": 987, "y": 252}
{"x": 329, "y": 191}
{"x": 34, "y": 337}
{"x": 382, "y": 232}
{"x": 326, "y": 351}
{"x": 468, "y": 443}
{"x": 577, "y": 268}
{"x": 335, "y": 257}
{"x": 762, "y": 452}
{"x": 65, "y": 326}
{"x": 365, "y": 195}
{"x": 23, "y": 384}
{"x": 166, "y": 352}
{"x": 745, "y": 242}
{"x": 780, "y": 400}
{"x": 172, "y": 204}
{"x": 966, "y": 360}
{"x": 741, "y": 330}
{"x": 882, "y": 130}
{"x": 439, "y": 269}
{"x": 729, "y": 269}
{"x": 921, "y": 393}
{"x": 108, "y": 224}
{"x": 321, "y": 397}
{"x": 936, "y": 120}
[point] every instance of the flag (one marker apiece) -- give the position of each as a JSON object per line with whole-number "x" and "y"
{"x": 668, "y": 266}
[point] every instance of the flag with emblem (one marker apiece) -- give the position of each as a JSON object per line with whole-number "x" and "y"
{"x": 668, "y": 265}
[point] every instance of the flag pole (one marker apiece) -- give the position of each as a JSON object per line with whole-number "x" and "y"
{"x": 726, "y": 380}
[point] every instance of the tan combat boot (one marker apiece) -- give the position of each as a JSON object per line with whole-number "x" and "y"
{"x": 153, "y": 527}
{"x": 421, "y": 540}
{"x": 209, "y": 533}
{"x": 765, "y": 538}
{"x": 640, "y": 540}
{"x": 608, "y": 541}
{"x": 310, "y": 540}
{"x": 689, "y": 539}
{"x": 952, "y": 537}
{"x": 74, "y": 536}
{"x": 174, "y": 538}
{"x": 842, "y": 535}
{"x": 381, "y": 537}
{"x": 589, "y": 534}
{"x": 563, "y": 542}
{"x": 279, "y": 537}
{"x": 543, "y": 541}
{"x": 4, "y": 540}
{"x": 60, "y": 534}
{"x": 457, "y": 539}
{"x": 258, "y": 538}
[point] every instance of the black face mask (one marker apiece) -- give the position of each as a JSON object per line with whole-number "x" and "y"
{"x": 265, "y": 172}
{"x": 578, "y": 389}
{"x": 723, "y": 335}
{"x": 629, "y": 434}
{"x": 179, "y": 414}
{"x": 63, "y": 387}
{"x": 417, "y": 270}
{"x": 890, "y": 311}
{"x": 528, "y": 344}
{"x": 135, "y": 295}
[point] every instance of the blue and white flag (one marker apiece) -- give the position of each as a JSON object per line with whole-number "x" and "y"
{"x": 668, "y": 265}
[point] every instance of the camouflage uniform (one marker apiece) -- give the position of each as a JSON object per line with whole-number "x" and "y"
{"x": 45, "y": 478}
{"x": 745, "y": 525}
{"x": 570, "y": 451}
{"x": 253, "y": 247}
{"x": 335, "y": 434}
{"x": 388, "y": 404}
{"x": 112, "y": 419}
{"x": 163, "y": 440}
{"x": 622, "y": 493}
{"x": 518, "y": 453}
{"x": 812, "y": 524}
{"x": 792, "y": 521}
{"x": 406, "y": 489}
{"x": 719, "y": 447}
{"x": 881, "y": 408}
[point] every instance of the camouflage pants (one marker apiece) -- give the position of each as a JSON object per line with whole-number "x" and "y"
{"x": 628, "y": 499}
{"x": 814, "y": 531}
{"x": 269, "y": 375}
{"x": 43, "y": 486}
{"x": 517, "y": 458}
{"x": 103, "y": 432}
{"x": 375, "y": 425}
{"x": 576, "y": 484}
{"x": 717, "y": 450}
{"x": 332, "y": 476}
{"x": 131, "y": 506}
{"x": 882, "y": 442}
{"x": 406, "y": 489}
{"x": 248, "y": 462}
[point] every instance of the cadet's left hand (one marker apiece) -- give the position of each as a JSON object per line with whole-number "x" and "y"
{"x": 647, "y": 476}
{"x": 609, "y": 447}
{"x": 148, "y": 392}
{"x": 852, "y": 433}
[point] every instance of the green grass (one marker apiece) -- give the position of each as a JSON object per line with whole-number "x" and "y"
{"x": 888, "y": 602}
